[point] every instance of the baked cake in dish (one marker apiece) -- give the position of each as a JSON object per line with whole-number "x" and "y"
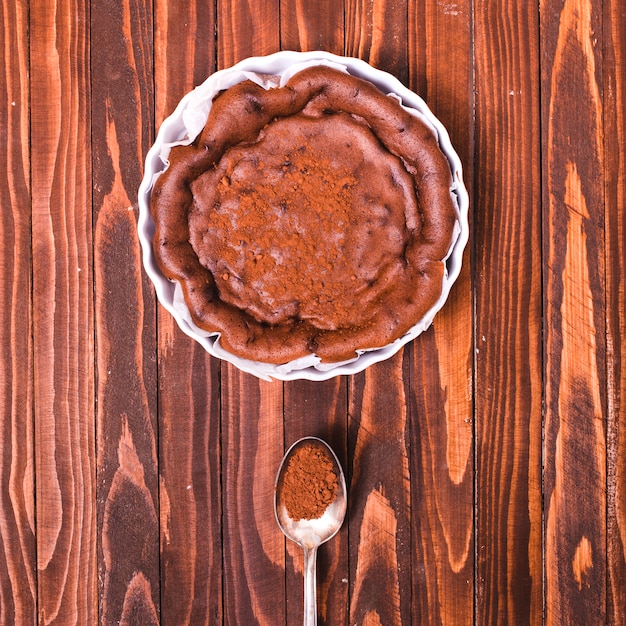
{"x": 313, "y": 217}
{"x": 262, "y": 234}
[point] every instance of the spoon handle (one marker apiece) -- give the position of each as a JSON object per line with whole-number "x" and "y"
{"x": 310, "y": 592}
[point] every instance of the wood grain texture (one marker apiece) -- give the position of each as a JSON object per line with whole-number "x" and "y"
{"x": 508, "y": 360}
{"x": 319, "y": 410}
{"x": 18, "y": 577}
{"x": 575, "y": 440}
{"x": 190, "y": 495}
{"x": 441, "y": 436}
{"x": 486, "y": 462}
{"x": 252, "y": 410}
{"x": 376, "y": 31}
{"x": 127, "y": 464}
{"x": 254, "y": 547}
{"x": 614, "y": 84}
{"x": 184, "y": 50}
{"x": 614, "y": 88}
{"x": 304, "y": 26}
{"x": 441, "y": 443}
{"x": 246, "y": 29}
{"x": 128, "y": 518}
{"x": 379, "y": 498}
{"x": 189, "y": 387}
{"x": 63, "y": 313}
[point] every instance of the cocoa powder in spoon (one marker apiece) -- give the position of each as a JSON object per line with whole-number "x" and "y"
{"x": 309, "y": 483}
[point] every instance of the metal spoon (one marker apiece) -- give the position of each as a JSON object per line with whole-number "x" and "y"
{"x": 311, "y": 533}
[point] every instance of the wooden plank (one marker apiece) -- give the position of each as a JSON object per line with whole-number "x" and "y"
{"x": 508, "y": 370}
{"x": 441, "y": 492}
{"x": 190, "y": 496}
{"x": 63, "y": 326}
{"x": 615, "y": 244}
{"x": 18, "y": 583}
{"x": 127, "y": 465}
{"x": 128, "y": 522}
{"x": 252, "y": 410}
{"x": 379, "y": 507}
{"x": 246, "y": 29}
{"x": 305, "y": 26}
{"x": 379, "y": 524}
{"x": 376, "y": 31}
{"x": 189, "y": 392}
{"x": 317, "y": 408}
{"x": 184, "y": 50}
{"x": 441, "y": 437}
{"x": 575, "y": 440}
{"x": 254, "y": 547}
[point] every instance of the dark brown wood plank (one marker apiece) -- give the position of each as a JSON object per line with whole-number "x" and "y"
{"x": 319, "y": 409}
{"x": 246, "y": 29}
{"x": 379, "y": 523}
{"x": 190, "y": 496}
{"x": 442, "y": 483}
{"x": 379, "y": 509}
{"x": 63, "y": 326}
{"x": 508, "y": 374}
{"x": 306, "y": 26}
{"x": 441, "y": 490}
{"x": 614, "y": 61}
{"x": 254, "y": 547}
{"x": 18, "y": 583}
{"x": 189, "y": 393}
{"x": 128, "y": 522}
{"x": 377, "y": 32}
{"x": 184, "y": 50}
{"x": 252, "y": 410}
{"x": 127, "y": 464}
{"x": 442, "y": 459}
{"x": 575, "y": 418}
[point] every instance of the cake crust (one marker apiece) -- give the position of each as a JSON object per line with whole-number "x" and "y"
{"x": 309, "y": 218}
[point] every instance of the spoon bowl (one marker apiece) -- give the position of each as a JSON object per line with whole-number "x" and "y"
{"x": 311, "y": 533}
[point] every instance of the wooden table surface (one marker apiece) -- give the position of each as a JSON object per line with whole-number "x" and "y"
{"x": 486, "y": 462}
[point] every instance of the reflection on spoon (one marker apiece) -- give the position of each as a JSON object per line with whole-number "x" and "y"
{"x": 329, "y": 511}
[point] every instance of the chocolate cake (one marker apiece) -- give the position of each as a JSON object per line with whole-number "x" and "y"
{"x": 309, "y": 218}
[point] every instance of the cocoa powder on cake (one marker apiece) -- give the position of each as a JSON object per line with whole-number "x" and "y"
{"x": 309, "y": 484}
{"x": 287, "y": 229}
